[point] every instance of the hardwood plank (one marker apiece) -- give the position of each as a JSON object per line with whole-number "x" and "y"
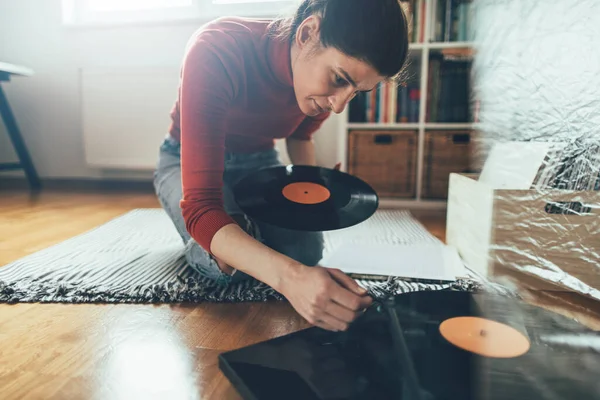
{"x": 125, "y": 351}
{"x": 59, "y": 351}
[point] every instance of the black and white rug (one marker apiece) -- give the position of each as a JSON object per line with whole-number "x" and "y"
{"x": 138, "y": 258}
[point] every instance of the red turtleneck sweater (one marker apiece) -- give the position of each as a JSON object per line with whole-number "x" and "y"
{"x": 236, "y": 95}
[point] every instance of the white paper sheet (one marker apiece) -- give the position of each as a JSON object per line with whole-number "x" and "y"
{"x": 428, "y": 261}
{"x": 513, "y": 165}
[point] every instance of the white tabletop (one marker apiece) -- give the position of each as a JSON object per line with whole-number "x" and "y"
{"x": 15, "y": 69}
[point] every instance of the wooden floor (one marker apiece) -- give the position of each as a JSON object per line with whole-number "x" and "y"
{"x": 58, "y": 351}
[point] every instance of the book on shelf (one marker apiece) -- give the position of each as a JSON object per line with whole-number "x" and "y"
{"x": 415, "y": 15}
{"x": 389, "y": 102}
{"x": 451, "y": 21}
{"x": 449, "y": 88}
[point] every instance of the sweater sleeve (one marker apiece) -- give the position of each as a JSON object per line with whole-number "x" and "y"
{"x": 209, "y": 82}
{"x": 309, "y": 126}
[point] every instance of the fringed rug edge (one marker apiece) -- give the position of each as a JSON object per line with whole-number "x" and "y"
{"x": 190, "y": 290}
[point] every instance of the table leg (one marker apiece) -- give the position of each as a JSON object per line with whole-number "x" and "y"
{"x": 18, "y": 143}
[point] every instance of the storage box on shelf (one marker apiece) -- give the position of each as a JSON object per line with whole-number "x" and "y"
{"x": 541, "y": 239}
{"x": 386, "y": 160}
{"x": 445, "y": 152}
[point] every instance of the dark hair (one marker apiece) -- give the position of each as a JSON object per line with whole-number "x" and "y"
{"x": 373, "y": 31}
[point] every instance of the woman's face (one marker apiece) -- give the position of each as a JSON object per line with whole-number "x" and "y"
{"x": 325, "y": 79}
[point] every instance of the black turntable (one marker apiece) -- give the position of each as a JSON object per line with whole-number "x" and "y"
{"x": 427, "y": 345}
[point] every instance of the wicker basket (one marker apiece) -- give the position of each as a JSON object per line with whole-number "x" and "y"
{"x": 386, "y": 160}
{"x": 445, "y": 152}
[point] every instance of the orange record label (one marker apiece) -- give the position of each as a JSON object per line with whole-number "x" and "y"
{"x": 484, "y": 337}
{"x": 306, "y": 192}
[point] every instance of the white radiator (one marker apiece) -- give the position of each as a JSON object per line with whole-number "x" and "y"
{"x": 125, "y": 114}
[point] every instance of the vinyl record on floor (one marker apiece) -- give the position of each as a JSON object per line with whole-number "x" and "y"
{"x": 306, "y": 198}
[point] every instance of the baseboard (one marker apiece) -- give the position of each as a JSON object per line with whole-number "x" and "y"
{"x": 80, "y": 184}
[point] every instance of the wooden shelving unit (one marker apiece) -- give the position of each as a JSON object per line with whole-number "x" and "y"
{"x": 420, "y": 53}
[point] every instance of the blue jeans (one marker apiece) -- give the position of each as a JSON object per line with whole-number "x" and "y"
{"x": 304, "y": 247}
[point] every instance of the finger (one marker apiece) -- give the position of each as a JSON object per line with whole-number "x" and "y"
{"x": 319, "y": 322}
{"x": 341, "y": 313}
{"x": 338, "y": 166}
{"x": 332, "y": 323}
{"x": 325, "y": 326}
{"x": 349, "y": 299}
{"x": 347, "y": 282}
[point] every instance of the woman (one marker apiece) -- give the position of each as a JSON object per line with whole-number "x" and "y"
{"x": 243, "y": 84}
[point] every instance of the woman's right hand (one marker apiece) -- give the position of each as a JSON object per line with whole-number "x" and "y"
{"x": 325, "y": 297}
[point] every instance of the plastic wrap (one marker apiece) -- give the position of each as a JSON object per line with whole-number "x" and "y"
{"x": 536, "y": 79}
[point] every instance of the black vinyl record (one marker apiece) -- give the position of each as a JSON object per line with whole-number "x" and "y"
{"x": 561, "y": 359}
{"x": 305, "y": 198}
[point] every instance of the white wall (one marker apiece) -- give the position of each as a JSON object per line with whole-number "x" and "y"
{"x": 48, "y": 105}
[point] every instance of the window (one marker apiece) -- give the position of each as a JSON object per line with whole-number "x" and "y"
{"x": 120, "y": 5}
{"x": 86, "y": 12}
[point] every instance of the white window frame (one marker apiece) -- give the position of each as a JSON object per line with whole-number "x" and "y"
{"x": 78, "y": 13}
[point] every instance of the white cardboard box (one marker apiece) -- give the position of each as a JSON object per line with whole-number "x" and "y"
{"x": 545, "y": 239}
